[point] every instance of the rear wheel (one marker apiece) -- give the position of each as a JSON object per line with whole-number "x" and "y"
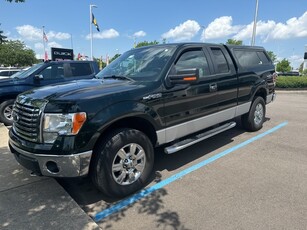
{"x": 6, "y": 112}
{"x": 253, "y": 120}
{"x": 122, "y": 163}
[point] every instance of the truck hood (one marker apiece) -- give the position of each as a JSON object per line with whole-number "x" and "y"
{"x": 81, "y": 89}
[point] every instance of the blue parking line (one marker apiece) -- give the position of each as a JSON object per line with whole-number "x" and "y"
{"x": 145, "y": 192}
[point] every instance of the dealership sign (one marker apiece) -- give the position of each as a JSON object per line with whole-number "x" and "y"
{"x": 59, "y": 54}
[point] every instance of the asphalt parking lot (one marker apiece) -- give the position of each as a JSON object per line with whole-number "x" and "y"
{"x": 235, "y": 180}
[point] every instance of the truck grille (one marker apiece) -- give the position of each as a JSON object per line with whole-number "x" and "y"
{"x": 26, "y": 122}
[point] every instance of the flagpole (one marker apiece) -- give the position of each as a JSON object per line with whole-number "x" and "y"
{"x": 91, "y": 31}
{"x": 255, "y": 25}
{"x": 44, "y": 43}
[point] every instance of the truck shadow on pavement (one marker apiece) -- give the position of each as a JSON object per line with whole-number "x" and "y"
{"x": 92, "y": 201}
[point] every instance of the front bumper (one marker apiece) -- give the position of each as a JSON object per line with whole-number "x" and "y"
{"x": 270, "y": 98}
{"x": 53, "y": 165}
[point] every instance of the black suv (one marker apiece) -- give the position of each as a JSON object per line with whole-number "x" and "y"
{"x": 41, "y": 74}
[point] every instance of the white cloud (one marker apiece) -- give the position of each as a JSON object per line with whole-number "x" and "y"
{"x": 296, "y": 60}
{"x": 185, "y": 31}
{"x": 139, "y": 34}
{"x": 293, "y": 28}
{"x": 221, "y": 27}
{"x": 262, "y": 30}
{"x": 57, "y": 35}
{"x": 39, "y": 46}
{"x": 54, "y": 44}
{"x": 106, "y": 34}
{"x": 31, "y": 33}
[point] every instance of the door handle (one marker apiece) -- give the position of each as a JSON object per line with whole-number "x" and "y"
{"x": 213, "y": 87}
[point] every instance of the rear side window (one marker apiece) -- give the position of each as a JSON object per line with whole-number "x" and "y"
{"x": 247, "y": 58}
{"x": 220, "y": 60}
{"x": 263, "y": 57}
{"x": 80, "y": 69}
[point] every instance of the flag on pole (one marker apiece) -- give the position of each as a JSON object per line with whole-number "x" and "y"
{"x": 45, "y": 37}
{"x": 46, "y": 56}
{"x": 94, "y": 21}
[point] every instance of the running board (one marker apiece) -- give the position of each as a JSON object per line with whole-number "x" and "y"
{"x": 199, "y": 137}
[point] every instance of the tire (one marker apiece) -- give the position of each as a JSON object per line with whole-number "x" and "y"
{"x": 254, "y": 119}
{"x": 6, "y": 110}
{"x": 122, "y": 163}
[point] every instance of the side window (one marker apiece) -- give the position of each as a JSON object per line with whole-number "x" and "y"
{"x": 248, "y": 58}
{"x": 193, "y": 59}
{"x": 263, "y": 57}
{"x": 4, "y": 73}
{"x": 80, "y": 69}
{"x": 53, "y": 71}
{"x": 220, "y": 60}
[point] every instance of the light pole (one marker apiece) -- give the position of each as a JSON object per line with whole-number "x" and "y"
{"x": 255, "y": 25}
{"x": 91, "y": 31}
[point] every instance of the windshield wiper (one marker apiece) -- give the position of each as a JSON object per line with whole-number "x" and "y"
{"x": 118, "y": 77}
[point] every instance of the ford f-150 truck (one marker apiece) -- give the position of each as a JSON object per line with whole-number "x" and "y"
{"x": 41, "y": 74}
{"x": 170, "y": 95}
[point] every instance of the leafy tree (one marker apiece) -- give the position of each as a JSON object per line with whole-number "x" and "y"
{"x": 146, "y": 43}
{"x": 272, "y": 56}
{"x": 114, "y": 57}
{"x": 283, "y": 66}
{"x": 2, "y": 37}
{"x": 15, "y": 53}
{"x": 300, "y": 69}
{"x": 234, "y": 42}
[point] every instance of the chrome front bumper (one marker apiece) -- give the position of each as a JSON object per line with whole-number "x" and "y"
{"x": 56, "y": 165}
{"x": 270, "y": 98}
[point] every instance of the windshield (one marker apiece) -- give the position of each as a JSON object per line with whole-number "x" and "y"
{"x": 28, "y": 72}
{"x": 143, "y": 64}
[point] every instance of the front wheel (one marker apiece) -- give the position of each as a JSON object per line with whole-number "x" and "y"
{"x": 6, "y": 112}
{"x": 253, "y": 120}
{"x": 122, "y": 163}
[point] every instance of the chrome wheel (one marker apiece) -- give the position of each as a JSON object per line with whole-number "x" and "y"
{"x": 128, "y": 164}
{"x": 258, "y": 115}
{"x": 8, "y": 111}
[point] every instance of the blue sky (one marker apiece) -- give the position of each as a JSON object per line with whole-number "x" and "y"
{"x": 282, "y": 25}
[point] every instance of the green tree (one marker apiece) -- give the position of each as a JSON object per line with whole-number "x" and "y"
{"x": 234, "y": 42}
{"x": 15, "y": 53}
{"x": 2, "y": 37}
{"x": 283, "y": 66}
{"x": 146, "y": 43}
{"x": 300, "y": 69}
{"x": 114, "y": 57}
{"x": 272, "y": 56}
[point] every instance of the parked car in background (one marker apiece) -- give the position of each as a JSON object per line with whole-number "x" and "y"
{"x": 41, "y": 74}
{"x": 6, "y": 73}
{"x": 290, "y": 73}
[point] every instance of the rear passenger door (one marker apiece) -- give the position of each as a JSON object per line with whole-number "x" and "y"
{"x": 226, "y": 80}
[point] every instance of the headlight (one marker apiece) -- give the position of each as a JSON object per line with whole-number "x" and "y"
{"x": 62, "y": 124}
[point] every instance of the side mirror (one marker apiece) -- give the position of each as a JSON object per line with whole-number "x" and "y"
{"x": 38, "y": 77}
{"x": 184, "y": 76}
